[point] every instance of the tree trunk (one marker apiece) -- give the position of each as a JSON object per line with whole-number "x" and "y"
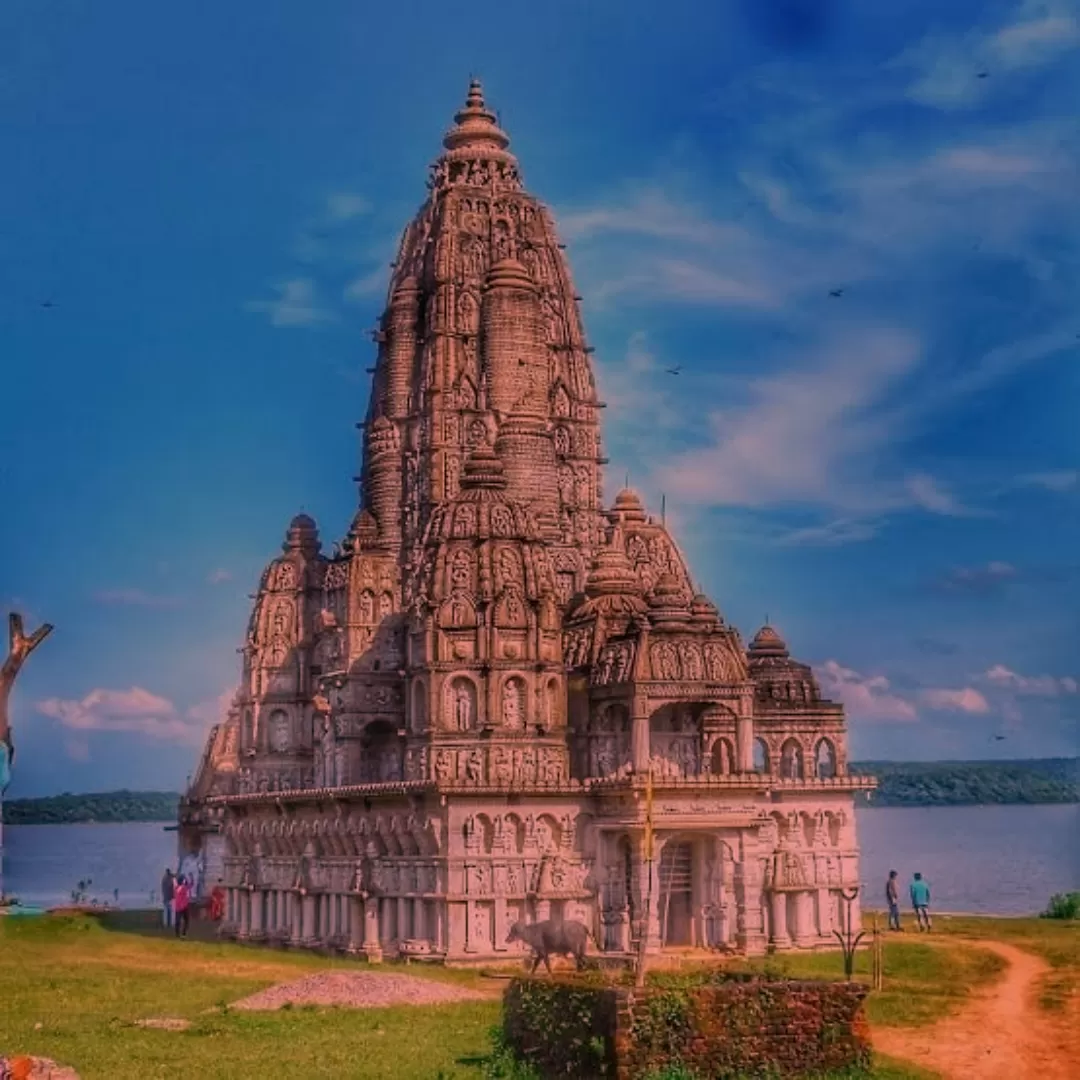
{"x": 20, "y": 646}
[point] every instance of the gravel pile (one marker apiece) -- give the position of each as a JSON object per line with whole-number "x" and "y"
{"x": 358, "y": 990}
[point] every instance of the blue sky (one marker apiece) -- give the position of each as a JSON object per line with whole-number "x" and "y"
{"x": 198, "y": 209}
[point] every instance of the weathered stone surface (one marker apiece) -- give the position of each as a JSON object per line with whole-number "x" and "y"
{"x": 445, "y": 725}
{"x": 24, "y": 1067}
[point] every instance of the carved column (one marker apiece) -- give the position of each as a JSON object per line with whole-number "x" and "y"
{"x": 371, "y": 947}
{"x": 824, "y": 914}
{"x": 778, "y": 902}
{"x": 244, "y": 896}
{"x": 639, "y": 735}
{"x": 804, "y": 918}
{"x": 744, "y": 740}
{"x": 307, "y": 919}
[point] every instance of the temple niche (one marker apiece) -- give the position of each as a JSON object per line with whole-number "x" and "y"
{"x": 448, "y": 723}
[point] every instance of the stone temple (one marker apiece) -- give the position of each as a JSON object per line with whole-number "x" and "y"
{"x": 447, "y": 724}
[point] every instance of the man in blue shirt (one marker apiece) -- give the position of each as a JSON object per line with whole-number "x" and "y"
{"x": 920, "y": 901}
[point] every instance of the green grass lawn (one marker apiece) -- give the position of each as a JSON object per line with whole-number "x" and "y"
{"x": 72, "y": 988}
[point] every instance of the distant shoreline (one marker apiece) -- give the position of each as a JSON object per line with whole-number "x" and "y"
{"x": 1024, "y": 782}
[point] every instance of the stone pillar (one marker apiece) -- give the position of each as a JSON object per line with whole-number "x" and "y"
{"x": 804, "y": 919}
{"x": 371, "y": 947}
{"x": 778, "y": 906}
{"x": 639, "y": 736}
{"x": 824, "y": 914}
{"x": 244, "y": 896}
{"x": 402, "y": 919}
{"x": 501, "y": 929}
{"x": 744, "y": 744}
{"x": 258, "y": 909}
{"x": 307, "y": 920}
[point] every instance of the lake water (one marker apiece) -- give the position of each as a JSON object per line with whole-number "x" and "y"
{"x": 992, "y": 859}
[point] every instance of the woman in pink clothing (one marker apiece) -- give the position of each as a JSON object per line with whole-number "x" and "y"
{"x": 181, "y": 904}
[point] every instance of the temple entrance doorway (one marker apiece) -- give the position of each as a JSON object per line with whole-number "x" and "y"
{"x": 676, "y": 909}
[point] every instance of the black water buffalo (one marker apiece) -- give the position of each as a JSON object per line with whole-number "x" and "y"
{"x": 552, "y": 938}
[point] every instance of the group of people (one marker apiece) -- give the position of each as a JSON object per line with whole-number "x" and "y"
{"x": 918, "y": 890}
{"x": 177, "y": 897}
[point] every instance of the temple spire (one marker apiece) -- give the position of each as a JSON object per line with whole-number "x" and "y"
{"x": 476, "y": 129}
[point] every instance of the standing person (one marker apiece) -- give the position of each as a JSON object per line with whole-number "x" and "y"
{"x": 217, "y": 902}
{"x": 168, "y": 891}
{"x": 892, "y": 898}
{"x": 181, "y": 904}
{"x": 920, "y": 901}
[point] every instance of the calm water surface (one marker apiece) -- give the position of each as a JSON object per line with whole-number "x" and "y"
{"x": 990, "y": 859}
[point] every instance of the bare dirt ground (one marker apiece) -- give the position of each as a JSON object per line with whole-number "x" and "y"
{"x": 358, "y": 990}
{"x": 1001, "y": 1034}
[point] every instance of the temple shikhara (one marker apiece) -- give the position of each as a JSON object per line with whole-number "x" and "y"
{"x": 447, "y": 723}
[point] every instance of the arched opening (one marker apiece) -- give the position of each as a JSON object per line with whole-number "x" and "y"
{"x": 791, "y": 761}
{"x": 674, "y": 742}
{"x": 380, "y": 760}
{"x": 419, "y": 706}
{"x": 609, "y": 740}
{"x": 723, "y": 758}
{"x": 278, "y": 729}
{"x": 825, "y": 760}
{"x": 761, "y": 757}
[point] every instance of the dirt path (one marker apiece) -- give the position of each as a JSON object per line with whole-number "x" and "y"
{"x": 1001, "y": 1034}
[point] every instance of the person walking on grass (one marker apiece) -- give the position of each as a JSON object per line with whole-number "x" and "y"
{"x": 892, "y": 898}
{"x": 920, "y": 901}
{"x": 182, "y": 904}
{"x": 168, "y": 891}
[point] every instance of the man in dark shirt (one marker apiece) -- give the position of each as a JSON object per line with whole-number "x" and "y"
{"x": 168, "y": 891}
{"x": 892, "y": 898}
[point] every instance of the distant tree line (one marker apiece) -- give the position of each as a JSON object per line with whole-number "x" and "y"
{"x": 900, "y": 783}
{"x": 970, "y": 783}
{"x": 106, "y": 806}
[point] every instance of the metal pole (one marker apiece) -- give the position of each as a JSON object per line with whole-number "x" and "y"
{"x": 643, "y": 937}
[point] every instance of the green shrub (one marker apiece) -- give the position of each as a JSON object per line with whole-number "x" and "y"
{"x": 1063, "y": 906}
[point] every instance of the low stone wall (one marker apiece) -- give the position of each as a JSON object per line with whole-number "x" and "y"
{"x": 714, "y": 1025}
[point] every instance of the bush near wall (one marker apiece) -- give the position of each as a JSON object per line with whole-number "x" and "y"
{"x": 709, "y": 1024}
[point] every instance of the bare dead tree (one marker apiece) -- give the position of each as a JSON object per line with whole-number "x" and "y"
{"x": 20, "y": 646}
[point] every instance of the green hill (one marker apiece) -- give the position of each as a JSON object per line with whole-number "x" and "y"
{"x": 971, "y": 783}
{"x": 105, "y": 806}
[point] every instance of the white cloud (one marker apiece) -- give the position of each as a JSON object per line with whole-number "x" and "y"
{"x": 967, "y": 700}
{"x": 866, "y": 697}
{"x": 831, "y": 534}
{"x": 1030, "y": 685}
{"x": 958, "y": 71}
{"x": 803, "y": 435}
{"x": 931, "y": 495}
{"x": 219, "y": 576}
{"x": 297, "y": 304}
{"x": 980, "y": 579}
{"x": 366, "y": 285}
{"x": 346, "y": 205}
{"x": 135, "y": 711}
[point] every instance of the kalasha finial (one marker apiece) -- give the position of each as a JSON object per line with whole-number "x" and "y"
{"x": 476, "y": 127}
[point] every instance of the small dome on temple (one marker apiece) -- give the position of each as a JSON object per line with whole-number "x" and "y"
{"x": 483, "y": 469}
{"x": 611, "y": 573}
{"x": 703, "y": 610}
{"x": 666, "y": 603}
{"x": 509, "y": 273}
{"x": 767, "y": 642}
{"x": 302, "y": 534}
{"x": 628, "y": 505}
{"x": 363, "y": 532}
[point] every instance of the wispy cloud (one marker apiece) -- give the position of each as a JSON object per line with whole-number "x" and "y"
{"x": 1054, "y": 480}
{"x": 135, "y": 598}
{"x": 987, "y": 578}
{"x": 296, "y": 305}
{"x": 958, "y": 71}
{"x": 366, "y": 285}
{"x": 866, "y": 697}
{"x": 966, "y": 700}
{"x": 219, "y": 576}
{"x": 834, "y": 533}
{"x": 1030, "y": 685}
{"x": 135, "y": 711}
{"x": 346, "y": 205}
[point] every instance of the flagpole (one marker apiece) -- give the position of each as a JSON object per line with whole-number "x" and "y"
{"x": 643, "y": 937}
